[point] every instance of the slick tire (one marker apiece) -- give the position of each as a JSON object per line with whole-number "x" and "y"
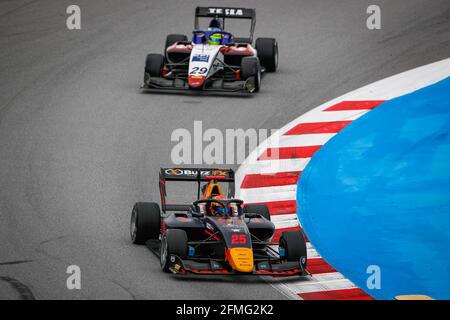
{"x": 154, "y": 64}
{"x": 251, "y": 68}
{"x": 145, "y": 222}
{"x": 174, "y": 242}
{"x": 294, "y": 245}
{"x": 267, "y": 49}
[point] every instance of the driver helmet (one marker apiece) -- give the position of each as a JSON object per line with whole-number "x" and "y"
{"x": 215, "y": 38}
{"x": 217, "y": 208}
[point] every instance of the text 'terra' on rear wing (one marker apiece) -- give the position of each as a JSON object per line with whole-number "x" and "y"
{"x": 226, "y": 13}
{"x": 198, "y": 175}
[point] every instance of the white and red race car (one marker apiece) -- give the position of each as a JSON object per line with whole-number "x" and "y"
{"x": 214, "y": 60}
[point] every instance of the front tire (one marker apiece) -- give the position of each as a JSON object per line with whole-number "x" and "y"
{"x": 251, "y": 70}
{"x": 294, "y": 245}
{"x": 267, "y": 49}
{"x": 154, "y": 64}
{"x": 145, "y": 222}
{"x": 174, "y": 242}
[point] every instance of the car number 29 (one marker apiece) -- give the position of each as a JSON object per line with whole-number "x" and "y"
{"x": 198, "y": 70}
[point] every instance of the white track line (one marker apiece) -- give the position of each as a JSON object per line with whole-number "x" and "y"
{"x": 303, "y": 140}
{"x": 268, "y": 194}
{"x": 331, "y": 116}
{"x": 271, "y": 166}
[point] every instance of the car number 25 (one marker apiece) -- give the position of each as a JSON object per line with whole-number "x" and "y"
{"x": 198, "y": 70}
{"x": 238, "y": 238}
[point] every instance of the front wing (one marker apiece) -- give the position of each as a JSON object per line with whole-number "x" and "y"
{"x": 163, "y": 84}
{"x": 215, "y": 267}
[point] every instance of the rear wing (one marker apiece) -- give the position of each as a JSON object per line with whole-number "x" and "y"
{"x": 226, "y": 13}
{"x": 198, "y": 175}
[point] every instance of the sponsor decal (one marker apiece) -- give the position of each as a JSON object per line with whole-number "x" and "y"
{"x": 226, "y": 11}
{"x": 200, "y": 57}
{"x": 193, "y": 172}
{"x": 215, "y": 265}
{"x": 179, "y": 172}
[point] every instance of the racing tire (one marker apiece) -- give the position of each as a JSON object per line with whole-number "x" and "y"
{"x": 267, "y": 49}
{"x": 145, "y": 222}
{"x": 174, "y": 242}
{"x": 172, "y": 38}
{"x": 260, "y": 209}
{"x": 154, "y": 64}
{"x": 251, "y": 68}
{"x": 294, "y": 245}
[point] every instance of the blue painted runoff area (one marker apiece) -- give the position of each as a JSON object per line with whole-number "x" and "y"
{"x": 376, "y": 197}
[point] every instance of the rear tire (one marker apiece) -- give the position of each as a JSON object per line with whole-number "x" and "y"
{"x": 174, "y": 242}
{"x": 260, "y": 209}
{"x": 145, "y": 222}
{"x": 294, "y": 245}
{"x": 250, "y": 67}
{"x": 173, "y": 38}
{"x": 267, "y": 49}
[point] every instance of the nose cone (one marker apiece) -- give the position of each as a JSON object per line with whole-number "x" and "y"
{"x": 196, "y": 81}
{"x": 240, "y": 259}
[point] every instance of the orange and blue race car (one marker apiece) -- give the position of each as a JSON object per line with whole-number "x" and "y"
{"x": 216, "y": 234}
{"x": 213, "y": 59}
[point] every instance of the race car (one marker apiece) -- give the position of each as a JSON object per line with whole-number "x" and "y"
{"x": 216, "y": 234}
{"x": 213, "y": 60}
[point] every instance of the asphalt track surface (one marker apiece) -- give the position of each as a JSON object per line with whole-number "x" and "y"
{"x": 79, "y": 143}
